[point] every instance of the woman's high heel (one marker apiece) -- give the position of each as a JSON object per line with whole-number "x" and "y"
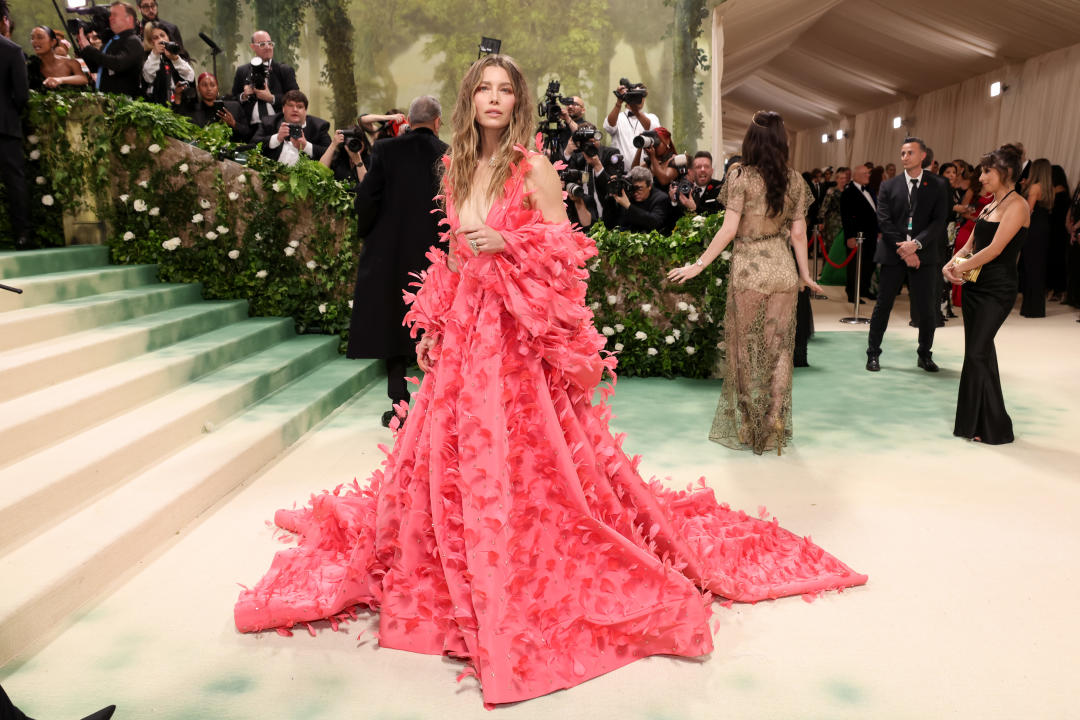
{"x": 778, "y": 426}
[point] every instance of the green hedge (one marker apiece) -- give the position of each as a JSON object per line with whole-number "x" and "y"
{"x": 235, "y": 230}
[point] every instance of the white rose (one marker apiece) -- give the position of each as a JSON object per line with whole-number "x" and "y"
{"x": 241, "y": 179}
{"x": 726, "y": 255}
{"x": 311, "y": 265}
{"x": 692, "y": 317}
{"x": 646, "y": 308}
{"x": 233, "y": 196}
{"x": 35, "y": 154}
{"x": 258, "y": 236}
{"x": 677, "y": 333}
{"x": 140, "y": 205}
{"x": 669, "y": 339}
{"x": 39, "y": 180}
{"x": 154, "y": 149}
{"x": 125, "y": 149}
{"x": 233, "y": 254}
{"x": 124, "y": 198}
{"x": 261, "y": 274}
{"x": 618, "y": 347}
{"x": 210, "y": 235}
{"x": 619, "y": 328}
{"x": 204, "y": 203}
{"x": 595, "y": 305}
{"x": 294, "y": 243}
{"x": 171, "y": 244}
{"x": 32, "y": 139}
{"x": 277, "y": 186}
{"x": 183, "y": 168}
{"x": 47, "y": 200}
{"x": 221, "y": 229}
{"x": 290, "y": 251}
{"x": 651, "y": 351}
{"x": 608, "y": 331}
{"x": 322, "y": 309}
{"x": 612, "y": 299}
{"x": 350, "y": 304}
{"x": 144, "y": 184}
{"x": 690, "y": 350}
{"x": 683, "y": 306}
{"x": 698, "y": 220}
{"x": 640, "y": 335}
{"x": 197, "y": 218}
{"x": 129, "y": 236}
{"x": 719, "y": 282}
{"x": 155, "y": 211}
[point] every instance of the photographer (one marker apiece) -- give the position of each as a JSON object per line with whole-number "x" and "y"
{"x": 261, "y": 84}
{"x": 645, "y": 209}
{"x": 570, "y": 119}
{"x": 659, "y": 151}
{"x": 392, "y": 124}
{"x": 625, "y": 126}
{"x": 292, "y": 131}
{"x": 119, "y": 65}
{"x": 209, "y": 108}
{"x": 166, "y": 74}
{"x": 585, "y": 154}
{"x": 348, "y": 155}
{"x": 704, "y": 189}
{"x": 149, "y": 10}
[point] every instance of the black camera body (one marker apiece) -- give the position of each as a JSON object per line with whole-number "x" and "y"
{"x": 257, "y": 78}
{"x": 295, "y": 131}
{"x": 354, "y": 139}
{"x": 548, "y": 108}
{"x": 647, "y": 139}
{"x": 618, "y": 183}
{"x": 575, "y": 182}
{"x": 635, "y": 93}
{"x": 174, "y": 48}
{"x": 97, "y": 21}
{"x": 584, "y": 136}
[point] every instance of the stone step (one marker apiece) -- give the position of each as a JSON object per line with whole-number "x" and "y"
{"x": 38, "y": 262}
{"x": 30, "y": 368}
{"x": 40, "y": 491}
{"x": 47, "y": 579}
{"x": 58, "y": 286}
{"x": 45, "y": 322}
{"x": 37, "y": 419}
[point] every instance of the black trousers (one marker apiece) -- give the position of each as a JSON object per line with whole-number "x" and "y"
{"x": 921, "y": 285}
{"x": 13, "y": 175}
{"x": 396, "y": 387}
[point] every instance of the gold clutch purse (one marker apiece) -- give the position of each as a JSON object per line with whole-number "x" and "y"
{"x": 968, "y": 275}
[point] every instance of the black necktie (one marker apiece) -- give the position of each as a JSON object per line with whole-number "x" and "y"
{"x": 912, "y": 197}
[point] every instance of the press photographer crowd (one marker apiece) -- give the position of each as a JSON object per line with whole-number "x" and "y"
{"x": 627, "y": 173}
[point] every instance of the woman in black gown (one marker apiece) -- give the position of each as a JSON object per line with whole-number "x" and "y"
{"x": 996, "y": 242}
{"x": 1040, "y": 197}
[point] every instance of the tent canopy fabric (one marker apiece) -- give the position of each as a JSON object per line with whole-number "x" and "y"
{"x": 821, "y": 63}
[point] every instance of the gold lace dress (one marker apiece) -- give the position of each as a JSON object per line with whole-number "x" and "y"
{"x": 759, "y": 324}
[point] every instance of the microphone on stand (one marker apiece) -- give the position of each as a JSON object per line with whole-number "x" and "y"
{"x": 214, "y": 50}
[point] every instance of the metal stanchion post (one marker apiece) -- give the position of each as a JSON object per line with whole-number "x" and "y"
{"x": 817, "y": 271}
{"x": 856, "y": 320}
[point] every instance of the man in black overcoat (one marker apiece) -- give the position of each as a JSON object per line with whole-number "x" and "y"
{"x": 858, "y": 212}
{"x": 394, "y": 205}
{"x": 14, "y": 93}
{"x": 912, "y": 210}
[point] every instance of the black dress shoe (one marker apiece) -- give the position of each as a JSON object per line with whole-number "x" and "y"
{"x": 387, "y": 417}
{"x": 912, "y": 323}
{"x": 870, "y": 296}
{"x": 928, "y": 365}
{"x": 872, "y": 364}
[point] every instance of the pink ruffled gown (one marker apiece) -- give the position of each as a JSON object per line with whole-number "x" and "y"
{"x": 508, "y": 528}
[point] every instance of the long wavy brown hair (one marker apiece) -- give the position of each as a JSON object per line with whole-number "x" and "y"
{"x": 465, "y": 141}
{"x": 765, "y": 147}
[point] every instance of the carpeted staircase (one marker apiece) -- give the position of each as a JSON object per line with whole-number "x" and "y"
{"x": 128, "y": 407}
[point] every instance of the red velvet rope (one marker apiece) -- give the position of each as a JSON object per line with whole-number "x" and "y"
{"x": 825, "y": 254}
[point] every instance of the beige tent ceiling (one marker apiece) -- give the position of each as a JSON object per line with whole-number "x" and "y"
{"x": 817, "y": 60}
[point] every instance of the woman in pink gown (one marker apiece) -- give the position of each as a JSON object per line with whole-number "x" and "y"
{"x": 508, "y": 528}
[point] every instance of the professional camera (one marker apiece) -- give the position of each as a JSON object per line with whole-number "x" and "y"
{"x": 174, "y": 48}
{"x": 354, "y": 139}
{"x": 97, "y": 20}
{"x": 295, "y": 131}
{"x": 635, "y": 92}
{"x": 647, "y": 139}
{"x": 549, "y": 107}
{"x": 616, "y": 171}
{"x": 684, "y": 185}
{"x": 575, "y": 182}
{"x": 257, "y": 78}
{"x": 583, "y": 138}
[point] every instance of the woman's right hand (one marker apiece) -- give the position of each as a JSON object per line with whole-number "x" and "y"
{"x": 423, "y": 353}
